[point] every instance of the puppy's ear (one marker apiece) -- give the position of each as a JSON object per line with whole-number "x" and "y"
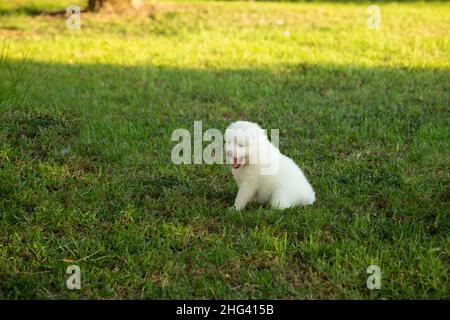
{"x": 259, "y": 135}
{"x": 263, "y": 133}
{"x": 227, "y": 134}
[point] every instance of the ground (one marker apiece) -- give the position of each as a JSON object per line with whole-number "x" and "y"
{"x": 86, "y": 118}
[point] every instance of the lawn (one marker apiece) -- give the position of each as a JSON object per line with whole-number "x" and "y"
{"x": 86, "y": 118}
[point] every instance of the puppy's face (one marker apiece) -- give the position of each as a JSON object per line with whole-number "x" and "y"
{"x": 237, "y": 147}
{"x": 241, "y": 145}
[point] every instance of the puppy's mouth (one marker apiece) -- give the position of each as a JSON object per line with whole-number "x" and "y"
{"x": 235, "y": 164}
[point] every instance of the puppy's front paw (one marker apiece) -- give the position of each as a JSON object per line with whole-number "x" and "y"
{"x": 232, "y": 208}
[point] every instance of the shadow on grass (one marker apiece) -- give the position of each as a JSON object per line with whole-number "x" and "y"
{"x": 85, "y": 162}
{"x": 355, "y": 130}
{"x": 347, "y": 93}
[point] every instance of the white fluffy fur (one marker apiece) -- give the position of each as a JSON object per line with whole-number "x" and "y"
{"x": 250, "y": 152}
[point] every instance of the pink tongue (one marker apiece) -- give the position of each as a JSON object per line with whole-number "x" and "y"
{"x": 235, "y": 163}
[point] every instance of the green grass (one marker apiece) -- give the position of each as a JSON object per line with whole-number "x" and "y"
{"x": 85, "y": 169}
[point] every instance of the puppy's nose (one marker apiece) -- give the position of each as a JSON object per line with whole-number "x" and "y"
{"x": 229, "y": 153}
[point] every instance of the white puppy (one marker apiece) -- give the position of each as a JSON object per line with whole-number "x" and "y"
{"x": 261, "y": 171}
